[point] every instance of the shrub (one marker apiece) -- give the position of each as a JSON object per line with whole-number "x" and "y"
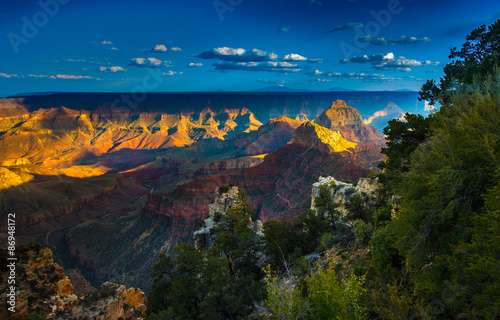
{"x": 334, "y": 297}
{"x": 363, "y": 231}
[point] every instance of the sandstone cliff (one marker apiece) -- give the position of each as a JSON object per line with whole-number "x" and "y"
{"x": 347, "y": 120}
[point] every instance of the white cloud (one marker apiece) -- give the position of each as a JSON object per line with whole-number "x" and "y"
{"x": 62, "y": 76}
{"x": 254, "y": 55}
{"x": 237, "y": 55}
{"x": 112, "y": 69}
{"x": 270, "y": 66}
{"x": 72, "y": 77}
{"x": 294, "y": 57}
{"x": 148, "y": 62}
{"x": 354, "y": 76}
{"x": 159, "y": 48}
{"x": 176, "y": 49}
{"x": 388, "y": 62}
{"x": 113, "y": 48}
{"x": 172, "y": 73}
{"x": 402, "y": 40}
{"x": 192, "y": 64}
{"x": 106, "y": 42}
{"x": 4, "y": 75}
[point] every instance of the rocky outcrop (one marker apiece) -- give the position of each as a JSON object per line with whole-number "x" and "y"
{"x": 225, "y": 198}
{"x": 346, "y": 120}
{"x": 268, "y": 138}
{"x": 42, "y": 286}
{"x": 111, "y": 302}
{"x": 219, "y": 166}
{"x": 342, "y": 192}
{"x": 310, "y": 134}
{"x": 40, "y": 283}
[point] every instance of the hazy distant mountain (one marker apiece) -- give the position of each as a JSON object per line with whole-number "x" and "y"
{"x": 341, "y": 89}
{"x": 24, "y": 94}
{"x": 280, "y": 89}
{"x": 287, "y": 89}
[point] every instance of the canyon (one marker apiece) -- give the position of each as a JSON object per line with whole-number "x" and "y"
{"x": 109, "y": 188}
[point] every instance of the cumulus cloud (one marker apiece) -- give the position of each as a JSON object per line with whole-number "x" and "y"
{"x": 294, "y": 57}
{"x": 113, "y": 48}
{"x": 159, "y": 48}
{"x": 237, "y": 55}
{"x": 193, "y": 64}
{"x": 388, "y": 62}
{"x": 355, "y": 76}
{"x": 41, "y": 76}
{"x": 63, "y": 76}
{"x": 402, "y": 40}
{"x": 269, "y": 66}
{"x": 347, "y": 26}
{"x": 112, "y": 69}
{"x": 4, "y": 75}
{"x": 315, "y": 60}
{"x": 172, "y": 73}
{"x": 107, "y": 42}
{"x": 176, "y": 49}
{"x": 255, "y": 55}
{"x": 148, "y": 62}
{"x": 71, "y": 76}
{"x": 71, "y": 60}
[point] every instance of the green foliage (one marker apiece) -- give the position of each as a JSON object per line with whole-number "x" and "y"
{"x": 403, "y": 137}
{"x": 287, "y": 241}
{"x": 221, "y": 283}
{"x": 443, "y": 188}
{"x": 357, "y": 209}
{"x": 325, "y": 205}
{"x": 334, "y": 297}
{"x": 282, "y": 242}
{"x": 476, "y": 265}
{"x": 312, "y": 226}
{"x": 383, "y": 214}
{"x": 284, "y": 297}
{"x": 477, "y": 58}
{"x": 35, "y": 316}
{"x": 396, "y": 304}
{"x": 327, "y": 241}
{"x": 385, "y": 256}
{"x": 446, "y": 229}
{"x": 363, "y": 231}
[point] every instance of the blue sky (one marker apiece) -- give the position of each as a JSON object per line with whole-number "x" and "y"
{"x": 232, "y": 45}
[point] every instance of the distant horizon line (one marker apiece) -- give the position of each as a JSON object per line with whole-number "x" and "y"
{"x": 258, "y": 91}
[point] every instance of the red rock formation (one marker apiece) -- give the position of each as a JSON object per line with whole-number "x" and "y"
{"x": 279, "y": 187}
{"x": 345, "y": 119}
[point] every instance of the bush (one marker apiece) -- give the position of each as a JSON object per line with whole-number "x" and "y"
{"x": 363, "y": 231}
{"x": 334, "y": 297}
{"x": 284, "y": 296}
{"x": 327, "y": 241}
